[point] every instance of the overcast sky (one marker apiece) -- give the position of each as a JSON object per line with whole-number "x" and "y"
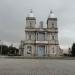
{"x": 14, "y": 12}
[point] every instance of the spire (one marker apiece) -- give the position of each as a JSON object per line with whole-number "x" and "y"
{"x": 51, "y": 15}
{"x": 31, "y": 13}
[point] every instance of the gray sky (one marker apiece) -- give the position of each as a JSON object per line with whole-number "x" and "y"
{"x": 14, "y": 12}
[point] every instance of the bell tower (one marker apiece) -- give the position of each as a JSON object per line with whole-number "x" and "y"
{"x": 30, "y": 20}
{"x": 30, "y": 36}
{"x": 52, "y": 34}
{"x": 52, "y": 20}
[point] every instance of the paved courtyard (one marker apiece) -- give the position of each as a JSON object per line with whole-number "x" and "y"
{"x": 36, "y": 67}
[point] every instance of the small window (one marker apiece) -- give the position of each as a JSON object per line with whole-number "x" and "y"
{"x": 41, "y": 36}
{"x": 52, "y": 25}
{"x": 53, "y": 37}
{"x": 53, "y": 50}
{"x": 29, "y": 36}
{"x": 30, "y": 24}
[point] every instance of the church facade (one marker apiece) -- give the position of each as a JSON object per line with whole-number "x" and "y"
{"x": 40, "y": 41}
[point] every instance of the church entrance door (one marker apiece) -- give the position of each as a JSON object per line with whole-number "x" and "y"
{"x": 41, "y": 50}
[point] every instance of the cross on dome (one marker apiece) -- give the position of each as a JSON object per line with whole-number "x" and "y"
{"x": 51, "y": 15}
{"x": 31, "y": 13}
{"x": 51, "y": 11}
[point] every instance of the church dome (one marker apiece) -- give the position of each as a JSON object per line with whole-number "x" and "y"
{"x": 51, "y": 15}
{"x": 31, "y": 14}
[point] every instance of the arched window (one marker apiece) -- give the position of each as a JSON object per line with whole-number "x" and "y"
{"x": 29, "y": 36}
{"x": 52, "y": 37}
{"x": 30, "y": 24}
{"x": 41, "y": 36}
{"x": 52, "y": 25}
{"x": 53, "y": 50}
{"x": 29, "y": 49}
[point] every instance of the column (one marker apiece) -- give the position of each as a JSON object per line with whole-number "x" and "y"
{"x": 45, "y": 36}
{"x": 36, "y": 36}
{"x": 45, "y": 50}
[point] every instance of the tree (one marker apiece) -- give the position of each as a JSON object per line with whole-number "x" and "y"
{"x": 13, "y": 51}
{"x": 73, "y": 49}
{"x": 3, "y": 49}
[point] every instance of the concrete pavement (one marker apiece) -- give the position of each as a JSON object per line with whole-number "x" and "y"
{"x": 36, "y": 67}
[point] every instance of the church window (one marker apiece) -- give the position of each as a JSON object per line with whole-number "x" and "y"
{"x": 30, "y": 24}
{"x": 29, "y": 36}
{"x": 41, "y": 36}
{"x": 52, "y": 25}
{"x": 29, "y": 49}
{"x": 53, "y": 50}
{"x": 53, "y": 37}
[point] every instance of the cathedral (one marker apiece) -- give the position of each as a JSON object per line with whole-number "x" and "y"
{"x": 41, "y": 41}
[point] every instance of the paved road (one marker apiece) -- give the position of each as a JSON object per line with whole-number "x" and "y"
{"x": 36, "y": 67}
